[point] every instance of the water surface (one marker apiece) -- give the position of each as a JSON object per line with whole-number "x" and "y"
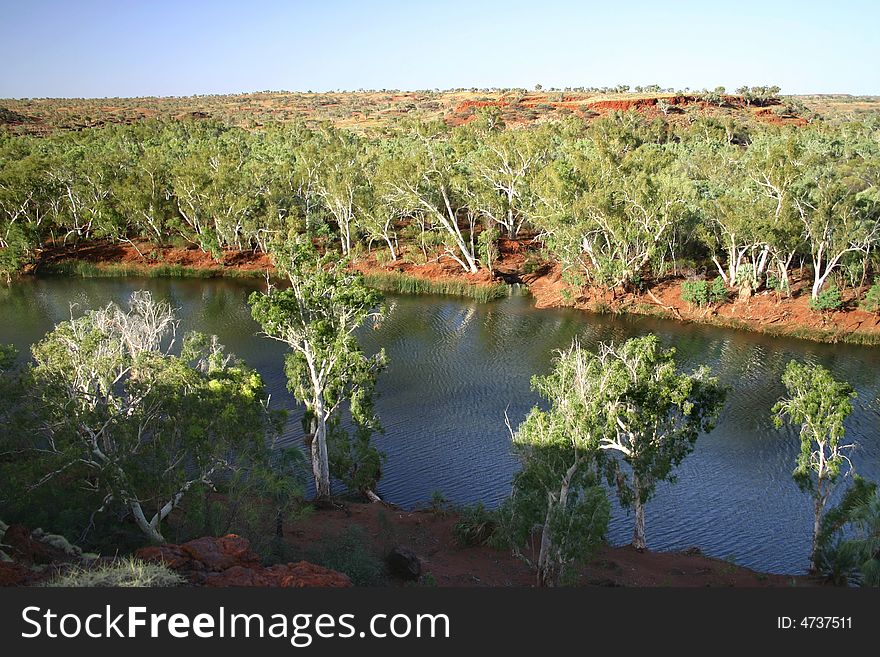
{"x": 456, "y": 366}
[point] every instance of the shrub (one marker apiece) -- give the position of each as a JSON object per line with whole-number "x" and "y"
{"x": 871, "y": 302}
{"x": 128, "y": 572}
{"x": 828, "y": 299}
{"x": 718, "y": 291}
{"x": 476, "y": 525}
{"x": 848, "y": 550}
{"x": 349, "y": 553}
{"x": 702, "y": 293}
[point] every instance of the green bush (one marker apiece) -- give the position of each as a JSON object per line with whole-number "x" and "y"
{"x": 476, "y": 525}
{"x": 350, "y": 553}
{"x": 718, "y": 290}
{"x": 129, "y": 572}
{"x": 871, "y": 302}
{"x": 828, "y": 299}
{"x": 848, "y": 545}
{"x": 702, "y": 293}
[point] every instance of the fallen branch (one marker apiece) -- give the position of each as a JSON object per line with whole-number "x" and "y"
{"x": 672, "y": 309}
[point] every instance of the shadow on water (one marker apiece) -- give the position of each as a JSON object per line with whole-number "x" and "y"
{"x": 457, "y": 365}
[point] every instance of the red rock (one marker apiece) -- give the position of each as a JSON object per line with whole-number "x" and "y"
{"x": 221, "y": 553}
{"x": 171, "y": 555}
{"x": 229, "y": 561}
{"x": 24, "y": 549}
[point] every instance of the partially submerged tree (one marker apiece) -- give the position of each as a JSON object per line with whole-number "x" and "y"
{"x": 651, "y": 414}
{"x": 819, "y": 405}
{"x": 316, "y": 317}
{"x": 119, "y": 414}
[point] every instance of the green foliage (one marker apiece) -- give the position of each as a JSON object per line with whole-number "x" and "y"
{"x": 818, "y": 404}
{"x": 827, "y": 299}
{"x": 126, "y": 572}
{"x": 702, "y": 293}
{"x": 316, "y": 317}
{"x": 476, "y": 525}
{"x": 116, "y": 419}
{"x": 871, "y": 302}
{"x": 618, "y": 200}
{"x": 350, "y": 553}
{"x": 353, "y": 459}
{"x": 399, "y": 283}
{"x": 849, "y": 541}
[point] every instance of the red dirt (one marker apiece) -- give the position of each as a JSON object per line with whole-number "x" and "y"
{"x": 429, "y": 535}
{"x": 147, "y": 255}
{"x": 763, "y": 312}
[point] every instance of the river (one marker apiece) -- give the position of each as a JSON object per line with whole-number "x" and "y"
{"x": 455, "y": 366}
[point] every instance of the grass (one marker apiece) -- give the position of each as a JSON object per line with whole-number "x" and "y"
{"x": 125, "y": 573}
{"x": 405, "y": 284}
{"x": 85, "y": 269}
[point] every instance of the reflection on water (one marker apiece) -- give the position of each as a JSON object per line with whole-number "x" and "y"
{"x": 456, "y": 366}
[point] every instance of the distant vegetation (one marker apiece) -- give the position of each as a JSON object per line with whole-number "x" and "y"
{"x": 616, "y": 200}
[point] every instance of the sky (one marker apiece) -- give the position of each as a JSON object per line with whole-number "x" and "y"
{"x": 104, "y": 48}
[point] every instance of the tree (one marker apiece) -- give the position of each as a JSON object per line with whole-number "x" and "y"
{"x": 614, "y": 202}
{"x": 849, "y": 542}
{"x": 558, "y": 489}
{"x": 504, "y": 166}
{"x": 651, "y": 415}
{"x": 836, "y": 207}
{"x": 819, "y": 404}
{"x": 316, "y": 317}
{"x": 116, "y": 412}
{"x": 426, "y": 175}
{"x": 341, "y": 182}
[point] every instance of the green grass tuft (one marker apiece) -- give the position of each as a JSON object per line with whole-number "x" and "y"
{"x": 400, "y": 283}
{"x": 85, "y": 269}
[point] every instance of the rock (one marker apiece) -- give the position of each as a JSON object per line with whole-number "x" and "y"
{"x": 171, "y": 555}
{"x": 229, "y": 561}
{"x": 221, "y": 553}
{"x": 403, "y": 563}
{"x": 23, "y": 548}
{"x": 58, "y": 543}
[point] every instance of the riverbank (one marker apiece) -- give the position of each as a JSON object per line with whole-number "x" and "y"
{"x": 425, "y": 536}
{"x": 765, "y": 312}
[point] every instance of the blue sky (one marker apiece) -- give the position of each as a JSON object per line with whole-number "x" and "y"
{"x": 101, "y": 48}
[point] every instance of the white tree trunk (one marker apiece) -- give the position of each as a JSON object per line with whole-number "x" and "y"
{"x": 320, "y": 458}
{"x": 638, "y": 541}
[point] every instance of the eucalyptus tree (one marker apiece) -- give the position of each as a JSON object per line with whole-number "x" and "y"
{"x": 214, "y": 188}
{"x": 610, "y": 216}
{"x": 316, "y": 317}
{"x": 342, "y": 181}
{"x": 818, "y": 404}
{"x": 120, "y": 415}
{"x": 558, "y": 490}
{"x": 427, "y": 175}
{"x": 773, "y": 163}
{"x": 142, "y": 188}
{"x": 651, "y": 414}
{"x": 731, "y": 210}
{"x": 838, "y": 207}
{"x": 503, "y": 167}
